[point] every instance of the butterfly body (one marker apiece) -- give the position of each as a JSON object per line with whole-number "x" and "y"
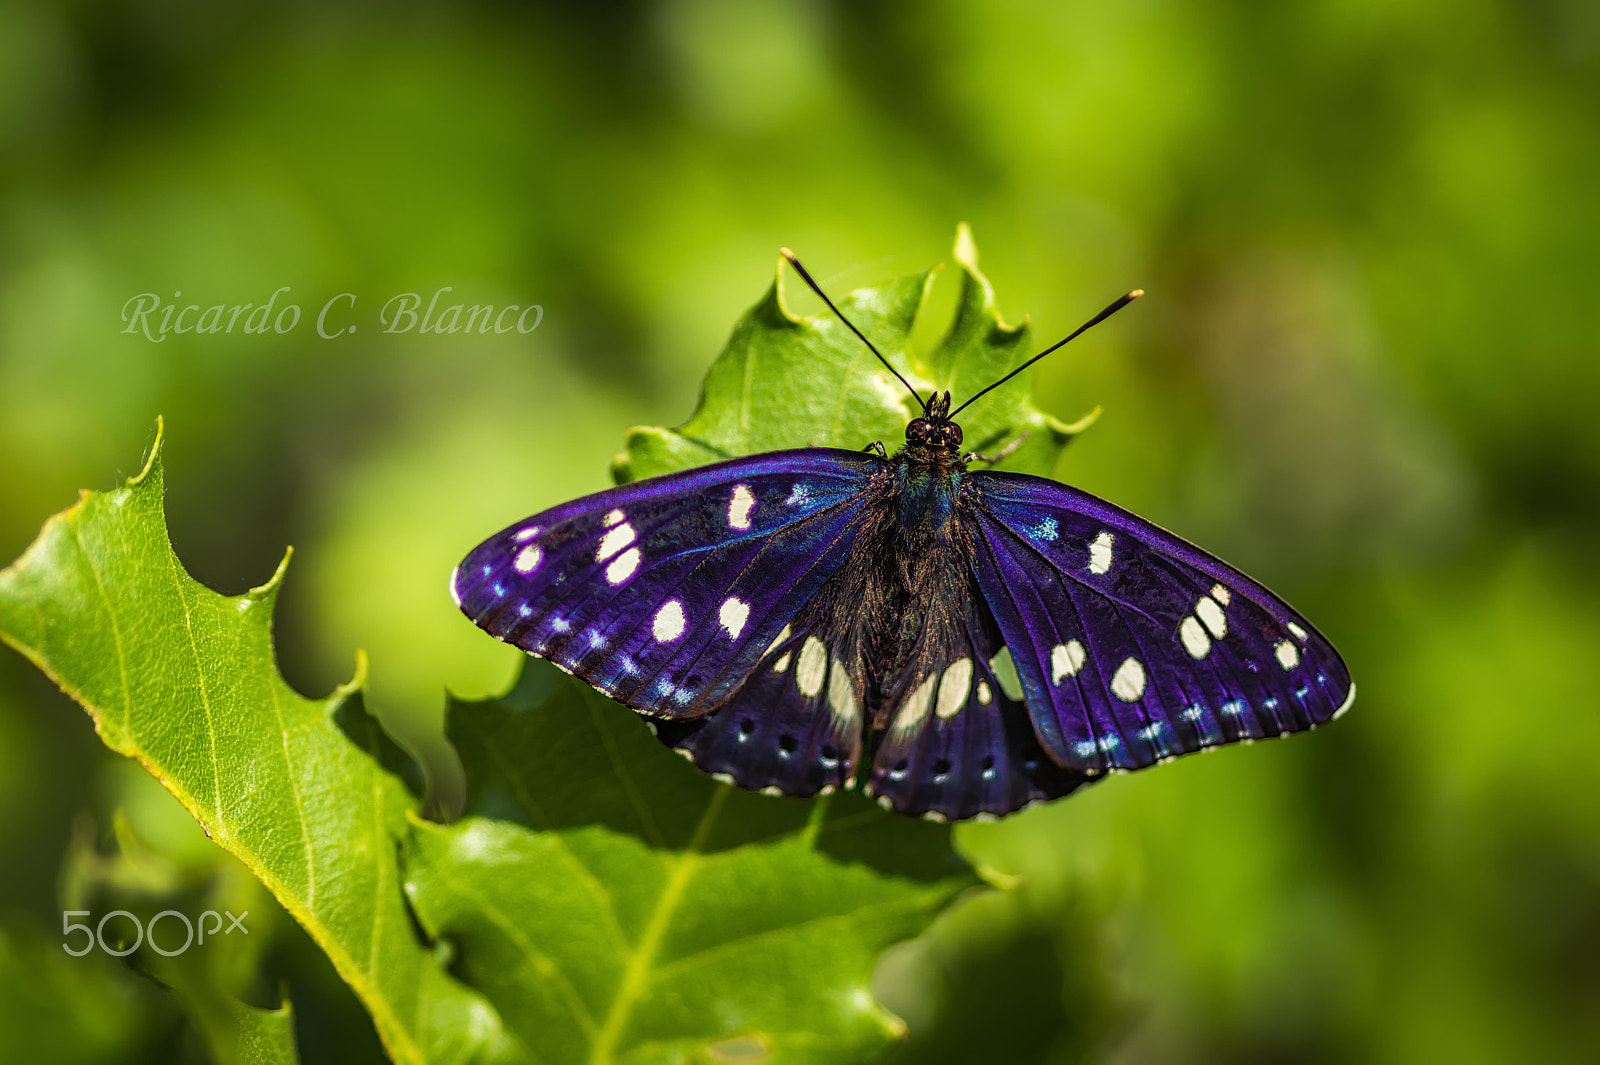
{"x": 960, "y": 642}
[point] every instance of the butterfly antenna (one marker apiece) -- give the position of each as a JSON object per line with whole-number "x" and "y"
{"x": 1096, "y": 320}
{"x": 787, "y": 254}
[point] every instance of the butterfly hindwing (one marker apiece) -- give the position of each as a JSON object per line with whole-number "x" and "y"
{"x": 665, "y": 593}
{"x": 959, "y": 741}
{"x": 794, "y": 727}
{"x": 1133, "y": 645}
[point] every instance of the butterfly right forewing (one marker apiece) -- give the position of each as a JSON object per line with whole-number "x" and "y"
{"x": 1133, "y": 645}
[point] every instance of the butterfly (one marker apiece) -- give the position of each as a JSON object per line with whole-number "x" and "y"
{"x": 960, "y": 642}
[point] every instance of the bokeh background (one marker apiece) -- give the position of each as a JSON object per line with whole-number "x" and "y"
{"x": 1366, "y": 372}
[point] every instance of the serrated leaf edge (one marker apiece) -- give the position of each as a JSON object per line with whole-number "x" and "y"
{"x": 343, "y": 962}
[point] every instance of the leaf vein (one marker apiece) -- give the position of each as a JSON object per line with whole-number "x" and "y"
{"x": 299, "y": 802}
{"x": 200, "y": 679}
{"x": 635, "y": 976}
{"x": 116, "y": 629}
{"x": 882, "y": 909}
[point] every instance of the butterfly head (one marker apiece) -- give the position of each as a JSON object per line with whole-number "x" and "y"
{"x": 935, "y": 429}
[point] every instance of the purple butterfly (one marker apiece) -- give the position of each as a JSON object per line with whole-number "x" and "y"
{"x": 963, "y": 642}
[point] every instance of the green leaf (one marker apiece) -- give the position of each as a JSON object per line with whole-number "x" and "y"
{"x": 786, "y": 382}
{"x": 617, "y": 905}
{"x": 609, "y": 901}
{"x": 167, "y": 888}
{"x": 302, "y": 791}
{"x": 262, "y": 1037}
{"x": 602, "y": 901}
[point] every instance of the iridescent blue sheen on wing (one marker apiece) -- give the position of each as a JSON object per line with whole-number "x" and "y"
{"x": 1134, "y": 645}
{"x": 960, "y": 642}
{"x": 664, "y": 594}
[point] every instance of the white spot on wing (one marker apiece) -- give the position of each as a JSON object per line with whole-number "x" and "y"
{"x": 528, "y": 558}
{"x": 1100, "y": 553}
{"x": 526, "y": 534}
{"x": 669, "y": 622}
{"x": 915, "y": 708}
{"x": 1194, "y": 637}
{"x": 1288, "y": 654}
{"x": 1127, "y": 683}
{"x": 1221, "y": 594}
{"x": 623, "y": 566}
{"x": 612, "y": 518}
{"x": 1005, "y": 672}
{"x": 614, "y": 541}
{"x": 773, "y": 646}
{"x": 953, "y": 687}
{"x": 841, "y": 694}
{"x": 1299, "y": 633}
{"x": 739, "y": 507}
{"x": 812, "y": 667}
{"x": 1065, "y": 660}
{"x": 1348, "y": 699}
{"x": 1209, "y": 612}
{"x": 782, "y": 663}
{"x": 733, "y": 616}
{"x": 985, "y": 696}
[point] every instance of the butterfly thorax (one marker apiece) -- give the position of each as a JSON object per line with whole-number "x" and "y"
{"x": 928, "y": 470}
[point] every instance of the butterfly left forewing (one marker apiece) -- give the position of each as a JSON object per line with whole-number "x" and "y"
{"x": 1133, "y": 645}
{"x": 664, "y": 594}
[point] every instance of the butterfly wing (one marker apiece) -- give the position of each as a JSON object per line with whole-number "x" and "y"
{"x": 794, "y": 727}
{"x": 959, "y": 742}
{"x": 1131, "y": 645}
{"x": 666, "y": 593}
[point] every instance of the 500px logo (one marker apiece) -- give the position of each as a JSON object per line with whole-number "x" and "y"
{"x": 154, "y": 318}
{"x": 96, "y": 936}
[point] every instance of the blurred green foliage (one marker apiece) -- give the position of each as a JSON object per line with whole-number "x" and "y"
{"x": 1365, "y": 372}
